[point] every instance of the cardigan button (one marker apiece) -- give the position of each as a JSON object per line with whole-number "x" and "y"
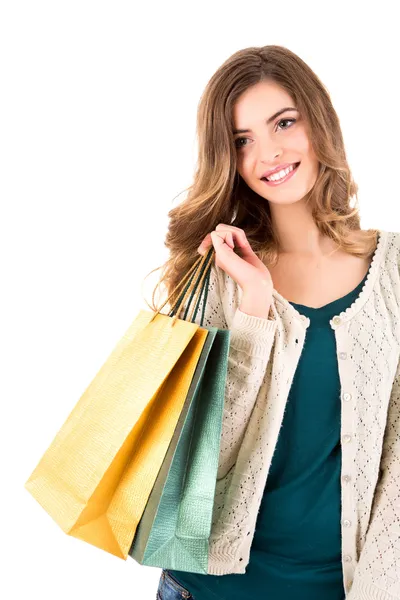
{"x": 347, "y": 558}
{"x": 343, "y": 355}
{"x": 346, "y": 397}
{"x": 346, "y": 478}
{"x": 337, "y": 320}
{"x": 347, "y": 523}
{"x": 347, "y": 439}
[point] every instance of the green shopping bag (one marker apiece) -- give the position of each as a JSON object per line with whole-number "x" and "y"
{"x": 174, "y": 530}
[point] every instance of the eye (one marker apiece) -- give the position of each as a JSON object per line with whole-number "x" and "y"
{"x": 238, "y": 140}
{"x": 287, "y": 121}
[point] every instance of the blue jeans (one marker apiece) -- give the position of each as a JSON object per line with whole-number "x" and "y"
{"x": 170, "y": 589}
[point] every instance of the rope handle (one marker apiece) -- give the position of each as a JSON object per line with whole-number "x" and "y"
{"x": 206, "y": 258}
{"x": 195, "y": 285}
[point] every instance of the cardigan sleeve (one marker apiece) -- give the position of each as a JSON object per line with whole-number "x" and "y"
{"x": 251, "y": 340}
{"x": 377, "y": 574}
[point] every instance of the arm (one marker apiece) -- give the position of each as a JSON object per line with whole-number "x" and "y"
{"x": 377, "y": 574}
{"x": 250, "y": 348}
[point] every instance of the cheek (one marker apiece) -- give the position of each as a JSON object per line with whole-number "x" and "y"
{"x": 245, "y": 163}
{"x": 312, "y": 154}
{"x": 300, "y": 142}
{"x": 241, "y": 165}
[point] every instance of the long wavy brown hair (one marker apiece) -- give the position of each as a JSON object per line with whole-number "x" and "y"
{"x": 218, "y": 193}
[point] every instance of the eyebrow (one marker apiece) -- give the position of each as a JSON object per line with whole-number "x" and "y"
{"x": 282, "y": 110}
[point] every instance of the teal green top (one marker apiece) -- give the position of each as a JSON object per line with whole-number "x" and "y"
{"x": 296, "y": 549}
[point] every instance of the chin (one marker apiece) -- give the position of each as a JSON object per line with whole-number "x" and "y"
{"x": 285, "y": 200}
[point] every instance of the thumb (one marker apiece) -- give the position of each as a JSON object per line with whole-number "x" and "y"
{"x": 221, "y": 243}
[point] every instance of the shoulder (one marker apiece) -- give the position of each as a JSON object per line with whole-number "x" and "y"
{"x": 387, "y": 251}
{"x": 391, "y": 247}
{"x": 393, "y": 238}
{"x": 227, "y": 290}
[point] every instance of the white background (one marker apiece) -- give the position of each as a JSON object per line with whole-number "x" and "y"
{"x": 97, "y": 138}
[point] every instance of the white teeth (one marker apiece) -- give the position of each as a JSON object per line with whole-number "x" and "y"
{"x": 281, "y": 174}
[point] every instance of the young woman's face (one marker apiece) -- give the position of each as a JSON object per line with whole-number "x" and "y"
{"x": 266, "y": 145}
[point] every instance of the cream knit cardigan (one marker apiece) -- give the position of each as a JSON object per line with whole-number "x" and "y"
{"x": 263, "y": 357}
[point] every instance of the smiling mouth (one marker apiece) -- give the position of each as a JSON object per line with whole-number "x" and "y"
{"x": 295, "y": 166}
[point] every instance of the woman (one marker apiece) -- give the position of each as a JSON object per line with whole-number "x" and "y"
{"x": 307, "y": 495}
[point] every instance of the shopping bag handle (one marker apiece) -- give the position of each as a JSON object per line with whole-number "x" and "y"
{"x": 203, "y": 263}
{"x": 201, "y": 283}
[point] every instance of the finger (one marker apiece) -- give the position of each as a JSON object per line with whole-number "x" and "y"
{"x": 240, "y": 241}
{"x": 239, "y": 236}
{"x": 219, "y": 240}
{"x": 227, "y": 237}
{"x": 225, "y": 258}
{"x": 226, "y": 226}
{"x": 230, "y": 228}
{"x": 205, "y": 244}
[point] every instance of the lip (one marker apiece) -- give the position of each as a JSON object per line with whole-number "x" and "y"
{"x": 284, "y": 179}
{"x": 277, "y": 169}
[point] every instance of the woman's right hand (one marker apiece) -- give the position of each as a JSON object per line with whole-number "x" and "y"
{"x": 249, "y": 272}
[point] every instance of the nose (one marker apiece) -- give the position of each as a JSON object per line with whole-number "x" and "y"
{"x": 268, "y": 151}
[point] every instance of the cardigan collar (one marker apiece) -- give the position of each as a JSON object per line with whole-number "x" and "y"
{"x": 285, "y": 310}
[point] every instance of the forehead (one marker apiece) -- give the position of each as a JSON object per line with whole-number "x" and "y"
{"x": 260, "y": 102}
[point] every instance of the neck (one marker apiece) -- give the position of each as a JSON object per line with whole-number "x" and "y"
{"x": 297, "y": 232}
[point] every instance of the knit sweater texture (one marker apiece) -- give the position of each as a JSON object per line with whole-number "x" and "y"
{"x": 263, "y": 357}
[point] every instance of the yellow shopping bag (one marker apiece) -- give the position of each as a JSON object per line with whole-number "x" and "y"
{"x": 95, "y": 478}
